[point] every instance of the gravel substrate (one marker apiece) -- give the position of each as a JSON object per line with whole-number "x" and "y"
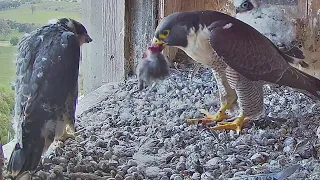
{"x": 145, "y": 136}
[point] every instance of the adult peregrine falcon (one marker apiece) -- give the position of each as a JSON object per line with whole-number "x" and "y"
{"x": 46, "y": 91}
{"x": 242, "y": 60}
{"x": 272, "y": 22}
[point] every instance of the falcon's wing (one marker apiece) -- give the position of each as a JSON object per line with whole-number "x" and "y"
{"x": 40, "y": 58}
{"x": 293, "y": 51}
{"x": 71, "y": 104}
{"x": 252, "y": 55}
{"x": 46, "y": 74}
{"x": 245, "y": 50}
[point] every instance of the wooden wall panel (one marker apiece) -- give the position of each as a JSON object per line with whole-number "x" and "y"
{"x": 191, "y": 5}
{"x": 308, "y": 29}
{"x": 121, "y": 30}
{"x": 94, "y": 61}
{"x": 113, "y": 24}
{"x": 140, "y": 25}
{"x": 167, "y": 7}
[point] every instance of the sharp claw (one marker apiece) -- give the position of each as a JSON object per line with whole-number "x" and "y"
{"x": 202, "y": 121}
{"x": 209, "y": 118}
{"x": 66, "y": 136}
{"x": 69, "y": 133}
{"x": 219, "y": 116}
{"x": 236, "y": 125}
{"x": 222, "y": 123}
{"x": 193, "y": 121}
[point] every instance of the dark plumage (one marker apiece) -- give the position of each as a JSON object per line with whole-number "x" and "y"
{"x": 152, "y": 66}
{"x": 46, "y": 90}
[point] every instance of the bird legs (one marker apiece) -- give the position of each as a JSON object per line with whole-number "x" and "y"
{"x": 68, "y": 132}
{"x": 235, "y": 125}
{"x": 218, "y": 116}
{"x": 250, "y": 96}
{"x": 228, "y": 97}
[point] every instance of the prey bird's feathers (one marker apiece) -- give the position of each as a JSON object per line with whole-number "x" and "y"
{"x": 152, "y": 66}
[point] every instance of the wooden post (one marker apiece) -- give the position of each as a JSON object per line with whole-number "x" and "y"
{"x": 104, "y": 58}
{"x": 141, "y": 21}
{"x": 167, "y": 7}
{"x": 121, "y": 30}
{"x": 92, "y": 53}
{"x": 113, "y": 36}
{"x": 308, "y": 26}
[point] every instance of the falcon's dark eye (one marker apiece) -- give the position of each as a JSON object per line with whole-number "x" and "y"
{"x": 245, "y": 5}
{"x": 165, "y": 33}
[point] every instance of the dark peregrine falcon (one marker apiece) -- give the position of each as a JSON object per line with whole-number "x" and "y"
{"x": 242, "y": 60}
{"x": 46, "y": 91}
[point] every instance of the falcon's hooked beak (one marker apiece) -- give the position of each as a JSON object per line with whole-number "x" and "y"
{"x": 84, "y": 38}
{"x": 88, "y": 39}
{"x": 157, "y": 42}
{"x": 238, "y": 10}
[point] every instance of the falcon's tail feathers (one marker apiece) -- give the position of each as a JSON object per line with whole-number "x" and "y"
{"x": 297, "y": 79}
{"x": 303, "y": 64}
{"x": 295, "y": 52}
{"x": 26, "y": 159}
{"x": 295, "y": 60}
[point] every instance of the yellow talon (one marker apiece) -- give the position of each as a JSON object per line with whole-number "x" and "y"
{"x": 236, "y": 125}
{"x": 68, "y": 132}
{"x": 219, "y": 116}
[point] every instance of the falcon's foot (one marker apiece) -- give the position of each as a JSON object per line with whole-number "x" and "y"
{"x": 68, "y": 132}
{"x": 219, "y": 116}
{"x": 235, "y": 125}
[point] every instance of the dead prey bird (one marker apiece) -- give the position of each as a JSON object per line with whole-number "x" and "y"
{"x": 151, "y": 67}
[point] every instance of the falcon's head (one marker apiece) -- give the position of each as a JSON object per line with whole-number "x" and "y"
{"x": 242, "y": 6}
{"x": 174, "y": 29}
{"x": 77, "y": 28}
